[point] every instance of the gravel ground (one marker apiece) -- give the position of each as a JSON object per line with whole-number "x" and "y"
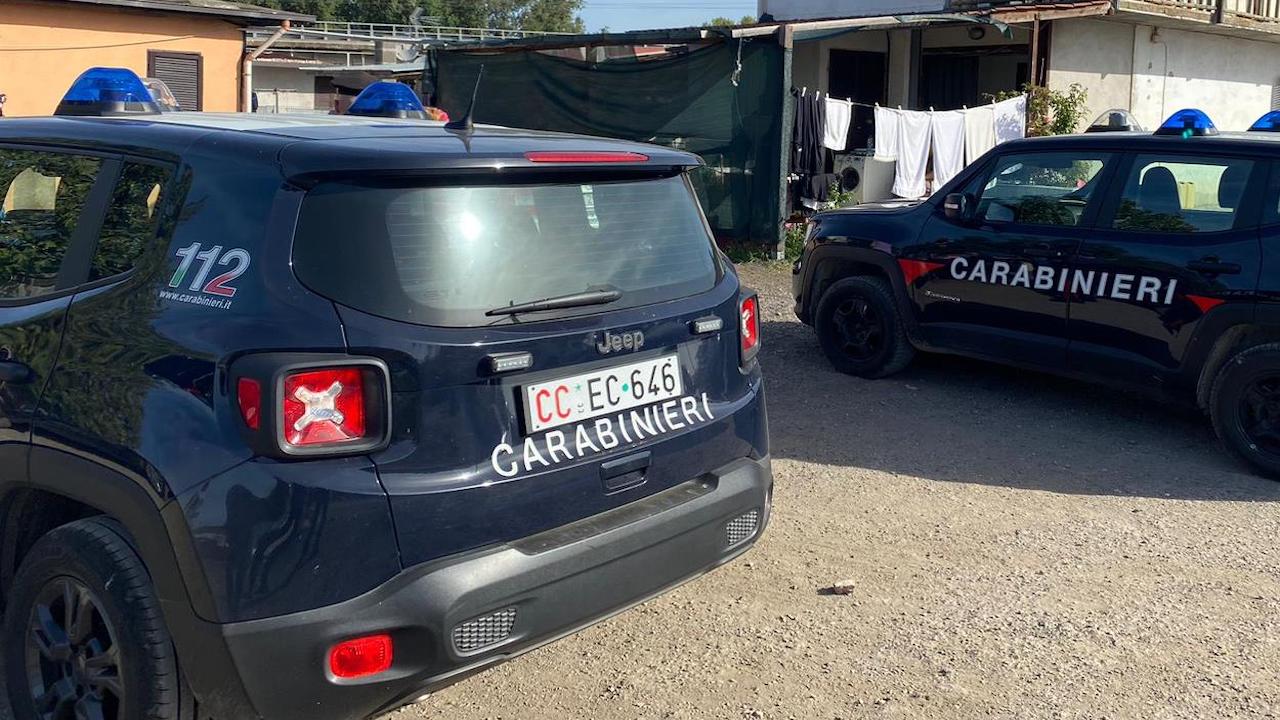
{"x": 1019, "y": 547}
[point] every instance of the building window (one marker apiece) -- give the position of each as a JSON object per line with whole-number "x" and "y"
{"x": 182, "y": 72}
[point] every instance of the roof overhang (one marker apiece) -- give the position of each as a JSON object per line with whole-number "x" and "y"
{"x": 800, "y": 30}
{"x": 232, "y": 11}
{"x": 383, "y": 68}
{"x": 1049, "y": 11}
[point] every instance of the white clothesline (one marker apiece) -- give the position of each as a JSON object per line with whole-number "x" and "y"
{"x": 804, "y": 90}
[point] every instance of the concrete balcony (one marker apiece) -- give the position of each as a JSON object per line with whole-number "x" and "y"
{"x": 1224, "y": 15}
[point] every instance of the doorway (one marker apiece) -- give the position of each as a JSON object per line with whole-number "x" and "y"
{"x": 860, "y": 76}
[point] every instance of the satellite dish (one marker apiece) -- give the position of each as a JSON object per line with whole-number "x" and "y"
{"x": 408, "y": 53}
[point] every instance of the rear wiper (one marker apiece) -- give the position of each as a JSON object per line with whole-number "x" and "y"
{"x": 581, "y": 299}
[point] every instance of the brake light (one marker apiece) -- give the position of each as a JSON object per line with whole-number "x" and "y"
{"x": 584, "y": 158}
{"x": 323, "y": 407}
{"x": 249, "y": 397}
{"x": 361, "y": 657}
{"x": 749, "y": 314}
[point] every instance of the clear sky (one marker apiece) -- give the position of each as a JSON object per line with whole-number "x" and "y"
{"x": 645, "y": 14}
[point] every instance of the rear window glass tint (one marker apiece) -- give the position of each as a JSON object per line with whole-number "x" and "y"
{"x": 444, "y": 255}
{"x": 132, "y": 218}
{"x": 1182, "y": 194}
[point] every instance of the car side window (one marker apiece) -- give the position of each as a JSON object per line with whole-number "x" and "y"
{"x": 43, "y": 195}
{"x": 1040, "y": 188}
{"x": 1184, "y": 194}
{"x": 131, "y": 220}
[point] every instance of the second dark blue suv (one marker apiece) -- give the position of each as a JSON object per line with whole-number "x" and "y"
{"x": 305, "y": 417}
{"x": 1144, "y": 261}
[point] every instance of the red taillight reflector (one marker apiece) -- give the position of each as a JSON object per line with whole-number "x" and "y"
{"x": 249, "y": 397}
{"x": 584, "y": 158}
{"x": 361, "y": 657}
{"x": 323, "y": 407}
{"x": 749, "y": 311}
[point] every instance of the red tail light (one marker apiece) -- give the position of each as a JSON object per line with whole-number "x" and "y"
{"x": 361, "y": 657}
{"x": 297, "y": 405}
{"x": 581, "y": 158}
{"x": 249, "y": 397}
{"x": 749, "y": 314}
{"x": 323, "y": 407}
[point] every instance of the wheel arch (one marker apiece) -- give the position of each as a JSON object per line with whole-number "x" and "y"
{"x": 65, "y": 487}
{"x": 830, "y": 263}
{"x": 1232, "y": 334}
{"x": 26, "y": 515}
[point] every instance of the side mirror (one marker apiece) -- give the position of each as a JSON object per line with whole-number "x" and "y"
{"x": 958, "y": 207}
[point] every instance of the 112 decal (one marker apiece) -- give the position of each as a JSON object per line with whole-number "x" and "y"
{"x": 237, "y": 261}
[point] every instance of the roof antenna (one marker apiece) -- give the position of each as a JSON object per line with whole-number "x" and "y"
{"x": 465, "y": 123}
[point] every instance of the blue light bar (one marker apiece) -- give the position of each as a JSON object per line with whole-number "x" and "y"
{"x": 388, "y": 98}
{"x": 1188, "y": 123}
{"x": 104, "y": 92}
{"x": 1267, "y": 123}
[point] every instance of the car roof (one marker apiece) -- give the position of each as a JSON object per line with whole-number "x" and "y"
{"x": 1234, "y": 142}
{"x": 321, "y": 143}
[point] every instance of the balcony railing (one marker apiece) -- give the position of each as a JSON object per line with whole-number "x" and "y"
{"x": 1256, "y": 14}
{"x": 366, "y": 32}
{"x": 1256, "y": 10}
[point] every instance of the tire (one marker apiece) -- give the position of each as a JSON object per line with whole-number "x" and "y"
{"x": 861, "y": 330}
{"x": 111, "y": 653}
{"x": 1245, "y": 403}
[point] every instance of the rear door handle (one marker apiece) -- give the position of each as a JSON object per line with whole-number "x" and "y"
{"x": 17, "y": 373}
{"x": 1210, "y": 266}
{"x": 624, "y": 472}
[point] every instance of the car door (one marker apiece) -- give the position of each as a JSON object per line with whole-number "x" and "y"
{"x": 51, "y": 201}
{"x": 1178, "y": 236}
{"x": 992, "y": 285}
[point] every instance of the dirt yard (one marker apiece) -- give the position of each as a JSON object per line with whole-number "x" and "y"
{"x": 1019, "y": 546}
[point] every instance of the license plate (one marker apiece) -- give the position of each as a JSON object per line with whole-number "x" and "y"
{"x": 583, "y": 397}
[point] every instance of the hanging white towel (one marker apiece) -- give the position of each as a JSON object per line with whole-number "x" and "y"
{"x": 947, "y": 129}
{"x": 913, "y": 153}
{"x": 979, "y": 132}
{"x": 1011, "y": 119}
{"x": 886, "y": 132}
{"x": 839, "y": 113}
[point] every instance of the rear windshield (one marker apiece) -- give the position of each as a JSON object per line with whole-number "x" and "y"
{"x": 444, "y": 255}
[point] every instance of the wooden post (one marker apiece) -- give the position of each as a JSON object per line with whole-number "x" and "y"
{"x": 786, "y": 38}
{"x": 1035, "y": 50}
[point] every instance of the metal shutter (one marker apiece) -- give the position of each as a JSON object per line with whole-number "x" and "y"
{"x": 181, "y": 72}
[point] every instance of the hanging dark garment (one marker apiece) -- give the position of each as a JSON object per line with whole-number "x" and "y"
{"x": 808, "y": 154}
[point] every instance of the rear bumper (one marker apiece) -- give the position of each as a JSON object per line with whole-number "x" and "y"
{"x": 556, "y": 582}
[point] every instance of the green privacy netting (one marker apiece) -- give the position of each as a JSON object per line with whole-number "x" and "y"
{"x": 687, "y": 101}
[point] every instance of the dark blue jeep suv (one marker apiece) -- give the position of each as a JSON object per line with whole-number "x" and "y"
{"x": 309, "y": 416}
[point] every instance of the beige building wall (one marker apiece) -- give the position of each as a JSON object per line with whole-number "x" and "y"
{"x": 44, "y": 47}
{"x": 1154, "y": 73}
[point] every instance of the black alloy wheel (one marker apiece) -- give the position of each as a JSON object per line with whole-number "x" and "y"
{"x": 862, "y": 329}
{"x": 73, "y": 662}
{"x": 83, "y": 636}
{"x": 1259, "y": 413}
{"x": 1244, "y": 405}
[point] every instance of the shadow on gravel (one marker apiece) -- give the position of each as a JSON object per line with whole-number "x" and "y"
{"x": 958, "y": 420}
